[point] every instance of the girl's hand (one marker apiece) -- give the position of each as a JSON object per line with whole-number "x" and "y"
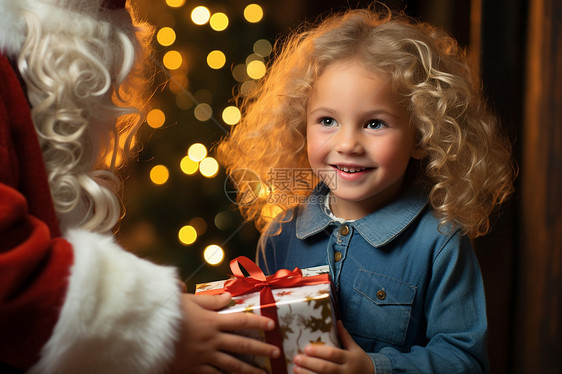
{"x": 205, "y": 338}
{"x": 322, "y": 359}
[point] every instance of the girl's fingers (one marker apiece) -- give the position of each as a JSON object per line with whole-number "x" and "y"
{"x": 200, "y": 369}
{"x": 244, "y": 321}
{"x": 346, "y": 339}
{"x": 211, "y": 302}
{"x": 299, "y": 370}
{"x": 335, "y": 355}
{"x": 231, "y": 364}
{"x": 239, "y": 344}
{"x": 315, "y": 365}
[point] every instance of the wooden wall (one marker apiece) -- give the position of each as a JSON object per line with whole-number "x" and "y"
{"x": 538, "y": 325}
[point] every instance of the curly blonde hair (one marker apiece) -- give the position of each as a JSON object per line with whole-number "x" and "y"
{"x": 85, "y": 77}
{"x": 467, "y": 162}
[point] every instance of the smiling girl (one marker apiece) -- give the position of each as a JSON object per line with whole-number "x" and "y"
{"x": 405, "y": 166}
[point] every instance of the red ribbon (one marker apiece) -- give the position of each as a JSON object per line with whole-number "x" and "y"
{"x": 258, "y": 281}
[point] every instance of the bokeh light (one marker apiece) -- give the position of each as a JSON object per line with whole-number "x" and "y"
{"x": 199, "y": 224}
{"x": 263, "y": 47}
{"x": 178, "y": 82}
{"x": 197, "y": 152}
{"x": 187, "y": 235}
{"x": 155, "y": 118}
{"x": 159, "y": 174}
{"x": 239, "y": 72}
{"x": 253, "y": 13}
{"x": 255, "y": 69}
{"x": 209, "y": 167}
{"x": 253, "y": 57}
{"x": 213, "y": 254}
{"x": 216, "y": 59}
{"x": 166, "y": 36}
{"x": 223, "y": 220}
{"x": 200, "y": 15}
{"x": 188, "y": 166}
{"x": 247, "y": 87}
{"x": 175, "y": 3}
{"x": 219, "y": 21}
{"x": 203, "y": 112}
{"x": 172, "y": 60}
{"x": 231, "y": 115}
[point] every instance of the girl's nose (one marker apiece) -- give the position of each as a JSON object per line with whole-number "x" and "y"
{"x": 348, "y": 141}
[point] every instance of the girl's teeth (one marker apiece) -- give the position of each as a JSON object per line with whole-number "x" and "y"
{"x": 350, "y": 170}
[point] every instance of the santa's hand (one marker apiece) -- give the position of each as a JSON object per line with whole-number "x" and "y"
{"x": 205, "y": 339}
{"x": 323, "y": 359}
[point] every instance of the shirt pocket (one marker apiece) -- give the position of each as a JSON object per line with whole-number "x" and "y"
{"x": 380, "y": 307}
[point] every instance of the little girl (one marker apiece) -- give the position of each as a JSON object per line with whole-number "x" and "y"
{"x": 387, "y": 115}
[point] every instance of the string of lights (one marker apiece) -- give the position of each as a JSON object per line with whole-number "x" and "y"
{"x": 176, "y": 198}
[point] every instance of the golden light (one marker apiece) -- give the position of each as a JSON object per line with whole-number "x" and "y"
{"x": 175, "y": 3}
{"x": 159, "y": 174}
{"x": 216, "y": 59}
{"x": 240, "y": 73}
{"x": 262, "y": 47}
{"x": 172, "y": 60}
{"x": 219, "y": 21}
{"x": 188, "y": 166}
{"x": 255, "y": 69}
{"x": 209, "y": 167}
{"x": 197, "y": 152}
{"x": 199, "y": 224}
{"x": 155, "y": 118}
{"x": 166, "y": 36}
{"x": 187, "y": 235}
{"x": 247, "y": 87}
{"x": 223, "y": 220}
{"x": 178, "y": 82}
{"x": 213, "y": 254}
{"x": 253, "y": 13}
{"x": 200, "y": 15}
{"x": 231, "y": 115}
{"x": 203, "y": 112}
{"x": 270, "y": 211}
{"x": 253, "y": 57}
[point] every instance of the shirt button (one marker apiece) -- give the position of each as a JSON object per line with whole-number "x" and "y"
{"x": 337, "y": 256}
{"x": 344, "y": 230}
{"x": 381, "y": 294}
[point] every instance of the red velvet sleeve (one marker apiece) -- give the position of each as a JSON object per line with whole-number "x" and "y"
{"x": 34, "y": 261}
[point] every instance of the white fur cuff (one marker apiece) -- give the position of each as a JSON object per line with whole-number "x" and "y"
{"x": 121, "y": 313}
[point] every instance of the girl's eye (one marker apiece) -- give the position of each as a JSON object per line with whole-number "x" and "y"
{"x": 327, "y": 121}
{"x": 375, "y": 124}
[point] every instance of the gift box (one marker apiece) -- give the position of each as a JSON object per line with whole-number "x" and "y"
{"x": 301, "y": 302}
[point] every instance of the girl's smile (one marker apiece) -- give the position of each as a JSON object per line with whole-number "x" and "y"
{"x": 351, "y": 172}
{"x": 357, "y": 128}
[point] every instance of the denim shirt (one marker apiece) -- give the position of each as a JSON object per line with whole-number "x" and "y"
{"x": 410, "y": 296}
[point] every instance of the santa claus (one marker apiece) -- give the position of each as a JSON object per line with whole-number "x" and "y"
{"x": 72, "y": 300}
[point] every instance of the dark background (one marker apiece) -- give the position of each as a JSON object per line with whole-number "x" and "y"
{"x": 517, "y": 46}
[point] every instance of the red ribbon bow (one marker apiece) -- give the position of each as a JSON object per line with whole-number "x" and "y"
{"x": 258, "y": 281}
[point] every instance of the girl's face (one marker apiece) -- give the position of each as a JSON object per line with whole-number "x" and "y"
{"x": 359, "y": 138}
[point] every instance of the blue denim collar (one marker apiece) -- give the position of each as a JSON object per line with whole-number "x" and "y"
{"x": 378, "y": 228}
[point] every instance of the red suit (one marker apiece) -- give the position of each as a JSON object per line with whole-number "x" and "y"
{"x": 77, "y": 303}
